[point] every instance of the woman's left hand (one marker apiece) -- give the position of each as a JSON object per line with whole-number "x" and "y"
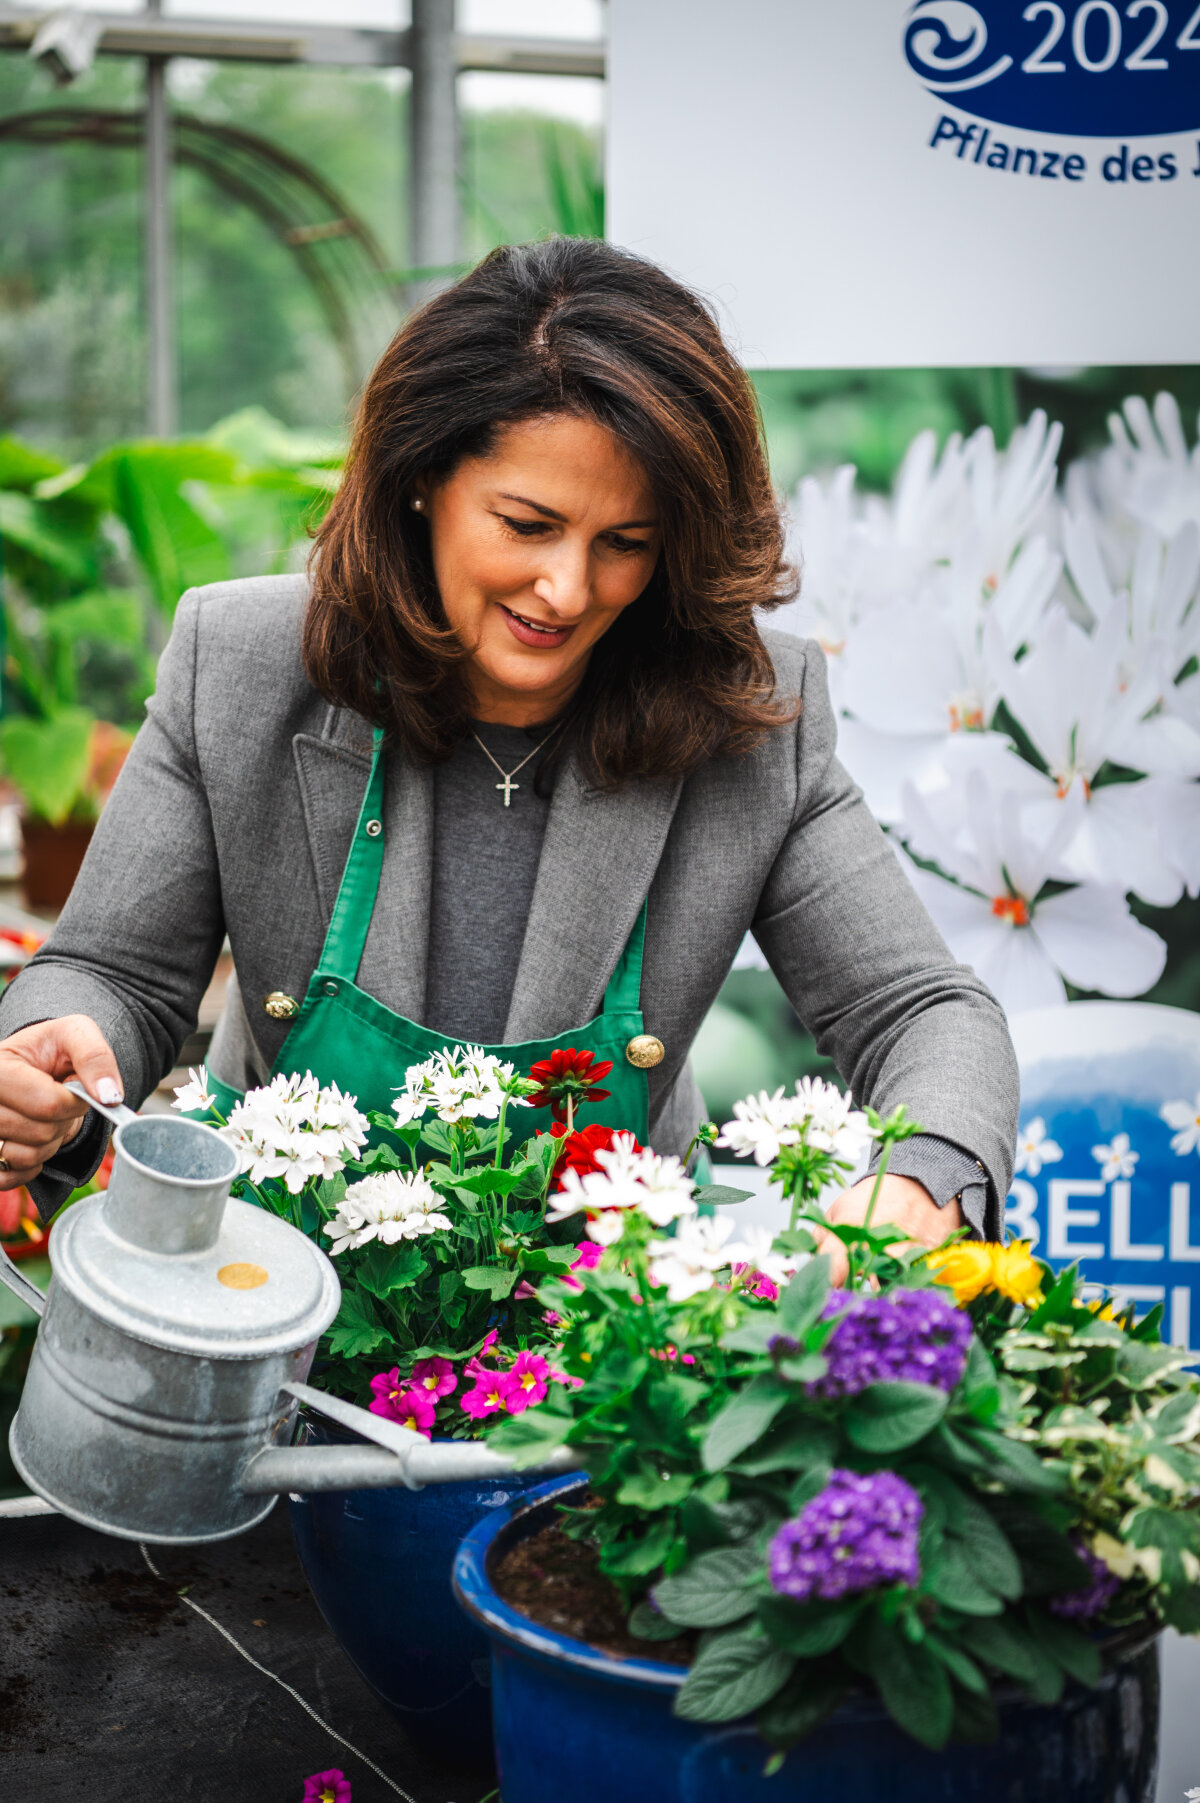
{"x": 903, "y": 1202}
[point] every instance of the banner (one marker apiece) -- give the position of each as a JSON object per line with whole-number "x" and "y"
{"x": 917, "y": 182}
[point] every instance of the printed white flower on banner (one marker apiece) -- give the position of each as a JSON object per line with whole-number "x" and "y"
{"x": 1184, "y": 1119}
{"x": 688, "y": 1263}
{"x": 992, "y": 915}
{"x": 1148, "y": 466}
{"x": 194, "y": 1096}
{"x": 1010, "y": 489}
{"x": 1034, "y": 1149}
{"x": 1116, "y": 1160}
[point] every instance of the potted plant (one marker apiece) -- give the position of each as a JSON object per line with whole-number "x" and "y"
{"x": 441, "y": 1230}
{"x": 62, "y": 765}
{"x": 915, "y": 1536}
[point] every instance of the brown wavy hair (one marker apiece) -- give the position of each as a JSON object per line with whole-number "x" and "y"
{"x": 575, "y": 326}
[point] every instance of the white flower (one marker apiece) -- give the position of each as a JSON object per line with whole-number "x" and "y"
{"x": 605, "y": 1228}
{"x": 389, "y": 1206}
{"x": 992, "y": 916}
{"x": 688, "y": 1263}
{"x": 755, "y": 1252}
{"x": 295, "y": 1131}
{"x": 833, "y": 1123}
{"x": 1184, "y": 1117}
{"x": 1116, "y": 1160}
{"x": 463, "y": 1084}
{"x": 762, "y": 1125}
{"x": 194, "y": 1096}
{"x": 658, "y": 1187}
{"x": 1034, "y": 1149}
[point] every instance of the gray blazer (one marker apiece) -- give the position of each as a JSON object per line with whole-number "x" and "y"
{"x": 235, "y": 811}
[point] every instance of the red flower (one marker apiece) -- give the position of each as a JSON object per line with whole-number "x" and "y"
{"x": 567, "y": 1078}
{"x": 579, "y": 1152}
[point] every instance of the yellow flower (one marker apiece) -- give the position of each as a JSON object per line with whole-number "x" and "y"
{"x": 1016, "y": 1273}
{"x": 965, "y": 1267}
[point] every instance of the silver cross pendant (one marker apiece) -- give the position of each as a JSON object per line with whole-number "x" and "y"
{"x": 508, "y": 785}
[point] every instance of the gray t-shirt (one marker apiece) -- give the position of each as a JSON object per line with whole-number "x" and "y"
{"x": 485, "y": 861}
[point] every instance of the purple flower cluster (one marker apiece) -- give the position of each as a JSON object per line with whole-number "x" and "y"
{"x": 860, "y": 1532}
{"x": 1082, "y": 1605}
{"x": 911, "y": 1336}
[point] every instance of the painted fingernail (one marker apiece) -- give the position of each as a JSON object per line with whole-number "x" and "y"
{"x": 109, "y": 1090}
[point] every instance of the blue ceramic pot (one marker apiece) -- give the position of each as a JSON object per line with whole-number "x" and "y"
{"x": 379, "y": 1564}
{"x": 571, "y": 1721}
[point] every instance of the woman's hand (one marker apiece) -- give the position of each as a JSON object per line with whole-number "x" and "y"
{"x": 37, "y": 1115}
{"x": 903, "y": 1202}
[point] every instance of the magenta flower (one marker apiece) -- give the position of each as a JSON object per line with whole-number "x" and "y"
{"x": 756, "y": 1284}
{"x": 414, "y": 1409}
{"x": 589, "y": 1257}
{"x": 493, "y": 1392}
{"x": 562, "y": 1377}
{"x": 435, "y": 1376}
{"x": 531, "y": 1372}
{"x": 551, "y": 1319}
{"x": 524, "y": 1292}
{"x": 326, "y": 1787}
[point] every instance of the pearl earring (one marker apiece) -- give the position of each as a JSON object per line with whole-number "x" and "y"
{"x": 418, "y": 505}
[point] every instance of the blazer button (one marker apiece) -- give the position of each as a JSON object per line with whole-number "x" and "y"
{"x": 280, "y": 1006}
{"x": 645, "y": 1051}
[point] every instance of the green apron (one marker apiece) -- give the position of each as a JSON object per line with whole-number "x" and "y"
{"x": 344, "y": 1036}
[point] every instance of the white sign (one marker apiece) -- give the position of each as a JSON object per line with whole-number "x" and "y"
{"x": 917, "y": 182}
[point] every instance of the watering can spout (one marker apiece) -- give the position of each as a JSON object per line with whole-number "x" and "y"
{"x": 396, "y": 1457}
{"x": 20, "y": 1285}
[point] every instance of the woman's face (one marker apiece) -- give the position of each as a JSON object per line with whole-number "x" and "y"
{"x": 537, "y": 548}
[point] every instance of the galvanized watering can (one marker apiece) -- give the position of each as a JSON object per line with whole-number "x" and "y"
{"x": 175, "y": 1339}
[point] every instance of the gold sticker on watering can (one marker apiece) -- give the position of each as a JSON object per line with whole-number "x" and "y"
{"x": 241, "y": 1277}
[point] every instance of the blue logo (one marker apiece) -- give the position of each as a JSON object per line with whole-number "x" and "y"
{"x": 1088, "y": 68}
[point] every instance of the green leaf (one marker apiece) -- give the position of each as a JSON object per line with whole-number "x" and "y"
{"x": 1012, "y": 1462}
{"x": 487, "y": 1181}
{"x": 1078, "y": 1656}
{"x": 810, "y": 1694}
{"x": 949, "y": 1576}
{"x": 638, "y": 1558}
{"x": 791, "y": 1446}
{"x": 720, "y": 1195}
{"x": 744, "y": 1417}
{"x": 1174, "y": 1532}
{"x": 48, "y": 760}
{"x": 497, "y": 1281}
{"x": 976, "y": 1719}
{"x": 1179, "y": 1419}
{"x": 734, "y": 1674}
{"x": 356, "y": 1329}
{"x": 713, "y": 1590}
{"x": 1181, "y": 1609}
{"x": 27, "y": 523}
{"x": 648, "y": 1623}
{"x": 755, "y": 1333}
{"x": 1009, "y": 1648}
{"x": 912, "y": 1683}
{"x": 959, "y": 1664}
{"x": 384, "y": 1270}
{"x": 987, "y": 1548}
{"x": 887, "y": 1417}
{"x": 804, "y": 1298}
{"x": 808, "y": 1629}
{"x": 651, "y": 1489}
{"x": 1140, "y": 1366}
{"x": 177, "y": 546}
{"x": 527, "y": 1438}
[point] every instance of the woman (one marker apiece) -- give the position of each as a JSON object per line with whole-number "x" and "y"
{"x": 513, "y": 766}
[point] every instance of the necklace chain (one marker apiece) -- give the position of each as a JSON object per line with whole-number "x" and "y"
{"x": 508, "y": 785}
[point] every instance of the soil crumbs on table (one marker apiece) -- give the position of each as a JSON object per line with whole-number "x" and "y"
{"x": 557, "y": 1581}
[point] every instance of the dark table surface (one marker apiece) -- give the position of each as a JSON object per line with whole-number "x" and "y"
{"x": 112, "y": 1690}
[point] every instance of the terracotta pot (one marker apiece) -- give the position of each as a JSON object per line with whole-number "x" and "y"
{"x": 53, "y": 855}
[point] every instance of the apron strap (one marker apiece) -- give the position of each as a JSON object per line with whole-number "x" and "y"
{"x": 624, "y": 992}
{"x": 355, "y": 904}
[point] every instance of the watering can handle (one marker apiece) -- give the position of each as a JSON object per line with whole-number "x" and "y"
{"x": 116, "y": 1112}
{"x": 20, "y": 1285}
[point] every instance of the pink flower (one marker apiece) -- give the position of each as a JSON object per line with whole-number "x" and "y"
{"x": 590, "y": 1255}
{"x": 755, "y": 1284}
{"x": 414, "y": 1409}
{"x": 551, "y": 1319}
{"x": 435, "y": 1376}
{"x": 475, "y": 1369}
{"x": 531, "y": 1371}
{"x": 670, "y": 1354}
{"x": 326, "y": 1787}
{"x": 494, "y": 1390}
{"x": 524, "y": 1292}
{"x": 561, "y": 1377}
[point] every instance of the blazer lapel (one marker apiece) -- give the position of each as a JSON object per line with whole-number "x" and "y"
{"x": 598, "y": 860}
{"x": 332, "y": 774}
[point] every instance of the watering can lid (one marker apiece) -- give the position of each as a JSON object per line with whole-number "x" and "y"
{"x": 262, "y": 1288}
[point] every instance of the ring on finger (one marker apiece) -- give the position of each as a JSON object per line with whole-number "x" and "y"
{"x": 4, "y": 1164}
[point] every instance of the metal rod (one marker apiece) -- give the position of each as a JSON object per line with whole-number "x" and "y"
{"x": 160, "y": 324}
{"x": 433, "y": 145}
{"x": 20, "y": 1285}
{"x": 251, "y": 40}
